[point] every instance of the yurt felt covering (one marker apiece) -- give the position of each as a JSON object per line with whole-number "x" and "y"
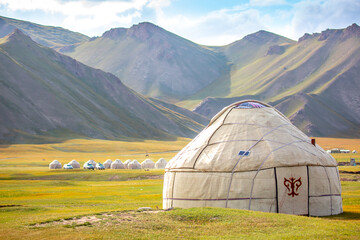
{"x": 253, "y": 158}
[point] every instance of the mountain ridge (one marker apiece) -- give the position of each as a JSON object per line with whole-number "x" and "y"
{"x": 317, "y": 74}
{"x": 161, "y": 65}
{"x": 54, "y": 37}
{"x": 45, "y": 92}
{"x": 320, "y": 70}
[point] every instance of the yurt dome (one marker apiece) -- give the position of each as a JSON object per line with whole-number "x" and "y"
{"x": 147, "y": 163}
{"x": 134, "y": 164}
{"x": 55, "y": 165}
{"x": 117, "y": 164}
{"x": 90, "y": 161}
{"x": 107, "y": 163}
{"x": 74, "y": 163}
{"x": 126, "y": 163}
{"x": 251, "y": 157}
{"x": 161, "y": 163}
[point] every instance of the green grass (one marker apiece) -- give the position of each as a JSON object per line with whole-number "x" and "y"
{"x": 38, "y": 203}
{"x": 50, "y": 202}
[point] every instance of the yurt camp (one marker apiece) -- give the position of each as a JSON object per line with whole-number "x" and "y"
{"x": 134, "y": 164}
{"x": 147, "y": 163}
{"x": 161, "y": 163}
{"x": 117, "y": 164}
{"x": 55, "y": 165}
{"x": 251, "y": 157}
{"x": 74, "y": 163}
{"x": 107, "y": 163}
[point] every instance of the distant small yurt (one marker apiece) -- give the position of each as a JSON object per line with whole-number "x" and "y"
{"x": 251, "y": 157}
{"x": 74, "y": 163}
{"x": 160, "y": 164}
{"x": 55, "y": 165}
{"x": 134, "y": 164}
{"x": 117, "y": 164}
{"x": 354, "y": 151}
{"x": 147, "y": 163}
{"x": 107, "y": 164}
{"x": 90, "y": 161}
{"x": 126, "y": 163}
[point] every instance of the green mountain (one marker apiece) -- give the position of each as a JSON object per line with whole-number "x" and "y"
{"x": 54, "y": 37}
{"x": 314, "y": 81}
{"x": 152, "y": 61}
{"x": 46, "y": 96}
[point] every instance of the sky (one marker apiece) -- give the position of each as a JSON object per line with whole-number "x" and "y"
{"x": 208, "y": 22}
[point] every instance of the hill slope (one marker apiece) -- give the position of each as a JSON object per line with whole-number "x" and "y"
{"x": 318, "y": 73}
{"x": 46, "y": 93}
{"x": 315, "y": 82}
{"x": 55, "y": 37}
{"x": 152, "y": 61}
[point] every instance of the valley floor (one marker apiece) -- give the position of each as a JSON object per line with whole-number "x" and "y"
{"x": 38, "y": 203}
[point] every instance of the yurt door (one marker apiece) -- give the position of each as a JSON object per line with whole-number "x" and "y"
{"x": 292, "y": 190}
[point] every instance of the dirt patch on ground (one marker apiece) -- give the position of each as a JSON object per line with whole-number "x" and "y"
{"x": 349, "y": 179}
{"x": 147, "y": 177}
{"x": 111, "y": 218}
{"x": 114, "y": 178}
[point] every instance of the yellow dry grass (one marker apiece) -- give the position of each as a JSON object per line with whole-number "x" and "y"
{"x": 39, "y": 195}
{"x": 34, "y": 155}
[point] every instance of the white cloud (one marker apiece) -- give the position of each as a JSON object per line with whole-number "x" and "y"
{"x": 267, "y": 2}
{"x": 215, "y": 28}
{"x": 158, "y": 3}
{"x": 84, "y": 16}
{"x": 316, "y": 15}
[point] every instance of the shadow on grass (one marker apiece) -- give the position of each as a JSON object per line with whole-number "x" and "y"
{"x": 345, "y": 216}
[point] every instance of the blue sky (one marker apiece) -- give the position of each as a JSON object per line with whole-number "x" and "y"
{"x": 210, "y": 22}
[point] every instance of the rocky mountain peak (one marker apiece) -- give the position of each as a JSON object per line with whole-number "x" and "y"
{"x": 307, "y": 36}
{"x": 115, "y": 33}
{"x": 260, "y": 37}
{"x": 341, "y": 34}
{"x": 143, "y": 31}
{"x": 351, "y": 31}
{"x": 17, "y": 36}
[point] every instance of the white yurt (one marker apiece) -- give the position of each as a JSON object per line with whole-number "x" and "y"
{"x": 117, "y": 164}
{"x": 55, "y": 165}
{"x": 161, "y": 163}
{"x": 134, "y": 164}
{"x": 90, "y": 161}
{"x": 74, "y": 163}
{"x": 126, "y": 163}
{"x": 107, "y": 163}
{"x": 147, "y": 163}
{"x": 251, "y": 157}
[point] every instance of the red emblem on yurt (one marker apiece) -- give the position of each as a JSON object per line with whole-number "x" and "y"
{"x": 292, "y": 185}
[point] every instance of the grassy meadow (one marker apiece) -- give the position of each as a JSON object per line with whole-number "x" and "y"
{"x": 38, "y": 203}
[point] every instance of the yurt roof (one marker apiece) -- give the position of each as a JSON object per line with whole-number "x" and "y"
{"x": 249, "y": 135}
{"x": 161, "y": 160}
{"x": 148, "y": 161}
{"x": 117, "y": 161}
